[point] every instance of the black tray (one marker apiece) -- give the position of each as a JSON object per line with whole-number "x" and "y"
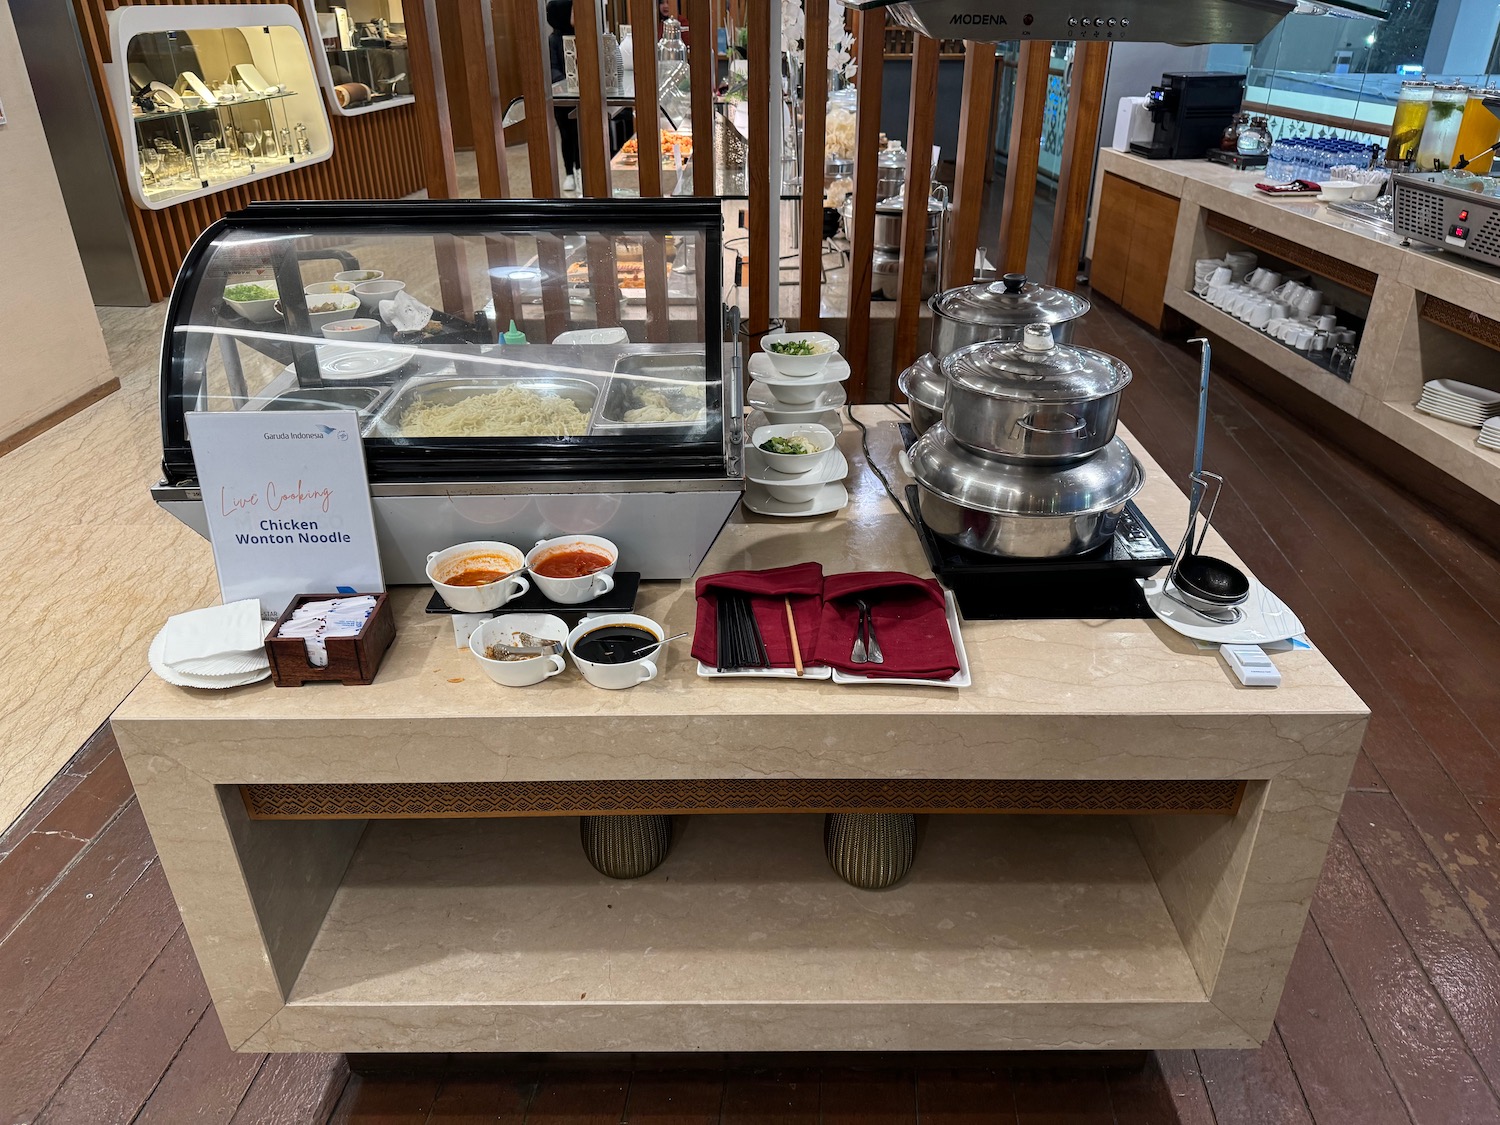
{"x": 1099, "y": 585}
{"x": 619, "y": 600}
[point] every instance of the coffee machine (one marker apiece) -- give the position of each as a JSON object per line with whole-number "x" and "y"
{"x": 1189, "y": 112}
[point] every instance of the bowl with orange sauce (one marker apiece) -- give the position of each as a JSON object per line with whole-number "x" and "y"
{"x": 479, "y": 576}
{"x": 572, "y": 569}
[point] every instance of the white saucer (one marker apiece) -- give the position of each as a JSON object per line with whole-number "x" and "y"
{"x": 1264, "y": 618}
{"x": 341, "y": 361}
{"x": 836, "y": 372}
{"x": 830, "y": 420}
{"x": 760, "y": 397}
{"x": 832, "y": 498}
{"x": 758, "y": 472}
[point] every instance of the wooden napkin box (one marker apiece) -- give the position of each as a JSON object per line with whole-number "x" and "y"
{"x": 352, "y": 661}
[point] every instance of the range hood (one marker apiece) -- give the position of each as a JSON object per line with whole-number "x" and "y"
{"x": 1123, "y": 21}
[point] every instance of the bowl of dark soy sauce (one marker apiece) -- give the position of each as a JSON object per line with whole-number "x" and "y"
{"x": 605, "y": 647}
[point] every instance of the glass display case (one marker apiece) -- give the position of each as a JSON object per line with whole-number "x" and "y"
{"x": 363, "y": 64}
{"x": 212, "y": 96}
{"x": 519, "y": 369}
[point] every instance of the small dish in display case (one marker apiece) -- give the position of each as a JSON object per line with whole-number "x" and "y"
{"x": 213, "y": 96}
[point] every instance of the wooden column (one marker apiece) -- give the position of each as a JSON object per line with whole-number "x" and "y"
{"x": 528, "y": 30}
{"x": 485, "y": 109}
{"x": 975, "y": 155}
{"x": 869, "y": 41}
{"x": 1080, "y": 144}
{"x": 762, "y": 182}
{"x": 920, "y": 124}
{"x": 1027, "y": 113}
{"x": 427, "y": 83}
{"x": 647, "y": 114}
{"x": 703, "y": 63}
{"x": 593, "y": 115}
{"x": 814, "y": 130}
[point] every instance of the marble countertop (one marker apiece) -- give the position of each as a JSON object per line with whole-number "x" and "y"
{"x": 1049, "y": 673}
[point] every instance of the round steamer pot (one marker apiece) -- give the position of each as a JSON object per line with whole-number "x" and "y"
{"x": 999, "y": 310}
{"x": 1021, "y": 511}
{"x": 1035, "y": 401}
{"x": 925, "y": 388}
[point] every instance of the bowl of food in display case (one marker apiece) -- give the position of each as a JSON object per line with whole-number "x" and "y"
{"x": 628, "y": 424}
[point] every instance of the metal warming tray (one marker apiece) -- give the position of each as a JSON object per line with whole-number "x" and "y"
{"x": 361, "y": 399}
{"x": 449, "y": 390}
{"x": 684, "y": 367}
{"x": 1451, "y": 218}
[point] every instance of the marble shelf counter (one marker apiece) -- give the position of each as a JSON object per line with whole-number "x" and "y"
{"x": 1011, "y": 932}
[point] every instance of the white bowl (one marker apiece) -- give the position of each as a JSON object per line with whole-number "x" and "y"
{"x": 446, "y": 564}
{"x": 519, "y": 673}
{"x": 371, "y": 293}
{"x": 258, "y": 312}
{"x": 799, "y": 365}
{"x": 796, "y": 395}
{"x": 1366, "y": 192}
{"x": 360, "y": 328}
{"x": 344, "y": 305}
{"x": 1339, "y": 190}
{"x": 795, "y": 464}
{"x": 355, "y": 277}
{"x": 594, "y": 336}
{"x": 574, "y": 591}
{"x": 318, "y": 288}
{"x": 617, "y": 677}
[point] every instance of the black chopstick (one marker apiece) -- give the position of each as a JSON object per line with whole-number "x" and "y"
{"x": 740, "y": 644}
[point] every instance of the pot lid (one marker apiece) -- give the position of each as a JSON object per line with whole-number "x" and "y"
{"x": 944, "y": 467}
{"x": 1008, "y": 302}
{"x": 924, "y": 384}
{"x": 1035, "y": 369}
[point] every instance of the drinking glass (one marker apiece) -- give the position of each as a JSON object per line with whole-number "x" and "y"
{"x": 251, "y": 139}
{"x": 268, "y": 142}
{"x": 150, "y": 165}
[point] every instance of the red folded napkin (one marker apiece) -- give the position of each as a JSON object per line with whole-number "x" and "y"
{"x": 768, "y": 590}
{"x": 911, "y": 623}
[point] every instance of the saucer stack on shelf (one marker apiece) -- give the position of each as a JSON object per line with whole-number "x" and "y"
{"x": 1463, "y": 403}
{"x": 790, "y": 389}
{"x": 1489, "y": 435}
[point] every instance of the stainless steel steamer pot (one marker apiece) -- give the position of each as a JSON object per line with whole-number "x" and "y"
{"x": 925, "y": 388}
{"x": 1021, "y": 510}
{"x": 1033, "y": 401}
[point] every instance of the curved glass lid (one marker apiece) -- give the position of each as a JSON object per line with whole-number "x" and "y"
{"x": 494, "y": 341}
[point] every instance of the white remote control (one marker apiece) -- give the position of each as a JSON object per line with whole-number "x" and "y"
{"x": 1251, "y": 665}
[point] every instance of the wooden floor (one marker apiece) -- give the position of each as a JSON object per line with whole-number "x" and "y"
{"x": 1391, "y": 1014}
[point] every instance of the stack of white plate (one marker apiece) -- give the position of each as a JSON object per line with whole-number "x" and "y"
{"x": 1489, "y": 435}
{"x": 1463, "y": 403}
{"x": 817, "y": 493}
{"x": 215, "y": 671}
{"x": 782, "y": 395}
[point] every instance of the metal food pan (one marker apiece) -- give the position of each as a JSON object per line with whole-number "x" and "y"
{"x": 688, "y": 367}
{"x": 361, "y": 399}
{"x": 443, "y": 390}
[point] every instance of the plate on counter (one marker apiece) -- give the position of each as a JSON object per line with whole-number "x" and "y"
{"x": 709, "y": 672}
{"x": 836, "y": 371}
{"x": 832, "y": 397}
{"x": 831, "y": 498}
{"x": 1264, "y": 618}
{"x": 836, "y": 468}
{"x": 830, "y": 420}
{"x": 344, "y": 362}
{"x": 961, "y": 678}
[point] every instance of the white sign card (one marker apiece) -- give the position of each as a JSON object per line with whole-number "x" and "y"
{"x": 288, "y": 503}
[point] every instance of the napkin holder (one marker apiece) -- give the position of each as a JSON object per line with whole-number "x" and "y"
{"x": 352, "y": 661}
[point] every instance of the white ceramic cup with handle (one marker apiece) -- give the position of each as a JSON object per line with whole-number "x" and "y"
{"x": 616, "y": 676}
{"x": 478, "y": 555}
{"x": 584, "y": 588}
{"x": 502, "y": 630}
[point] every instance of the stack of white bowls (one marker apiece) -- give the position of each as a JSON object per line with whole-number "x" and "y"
{"x": 790, "y": 390}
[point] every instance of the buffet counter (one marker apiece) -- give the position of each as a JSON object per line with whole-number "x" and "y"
{"x": 1171, "y": 925}
{"x": 1426, "y": 314}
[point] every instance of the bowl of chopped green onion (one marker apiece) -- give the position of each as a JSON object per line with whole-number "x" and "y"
{"x": 793, "y": 449}
{"x": 254, "y": 300}
{"x": 799, "y": 354}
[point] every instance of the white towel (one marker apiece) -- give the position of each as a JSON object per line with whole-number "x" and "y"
{"x": 215, "y": 631}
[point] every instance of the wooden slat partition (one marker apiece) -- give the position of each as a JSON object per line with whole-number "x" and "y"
{"x": 814, "y": 130}
{"x": 593, "y": 117}
{"x": 1080, "y": 143}
{"x": 1028, "y": 111}
{"x": 483, "y": 84}
{"x": 375, "y": 156}
{"x": 703, "y": 64}
{"x": 761, "y": 179}
{"x": 603, "y": 279}
{"x": 647, "y": 113}
{"x": 869, "y": 33}
{"x": 920, "y": 125}
{"x": 975, "y": 155}
{"x": 425, "y": 54}
{"x": 527, "y": 25}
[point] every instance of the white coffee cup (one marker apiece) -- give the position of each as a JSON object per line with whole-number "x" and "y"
{"x": 1221, "y": 276}
{"x": 1309, "y": 303}
{"x": 1260, "y": 315}
{"x": 574, "y": 591}
{"x": 519, "y": 673}
{"x": 1326, "y": 322}
{"x": 616, "y": 677}
{"x": 1279, "y": 310}
{"x": 450, "y": 563}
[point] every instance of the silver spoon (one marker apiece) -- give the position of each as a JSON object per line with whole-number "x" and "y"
{"x": 636, "y": 654}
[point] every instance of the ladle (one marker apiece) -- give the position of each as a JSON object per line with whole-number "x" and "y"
{"x": 1204, "y": 584}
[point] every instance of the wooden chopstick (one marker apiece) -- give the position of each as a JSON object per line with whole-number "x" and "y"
{"x": 791, "y": 625}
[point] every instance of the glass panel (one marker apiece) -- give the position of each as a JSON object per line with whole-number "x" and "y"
{"x": 365, "y": 42}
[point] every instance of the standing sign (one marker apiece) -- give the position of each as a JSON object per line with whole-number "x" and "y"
{"x": 288, "y": 503}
